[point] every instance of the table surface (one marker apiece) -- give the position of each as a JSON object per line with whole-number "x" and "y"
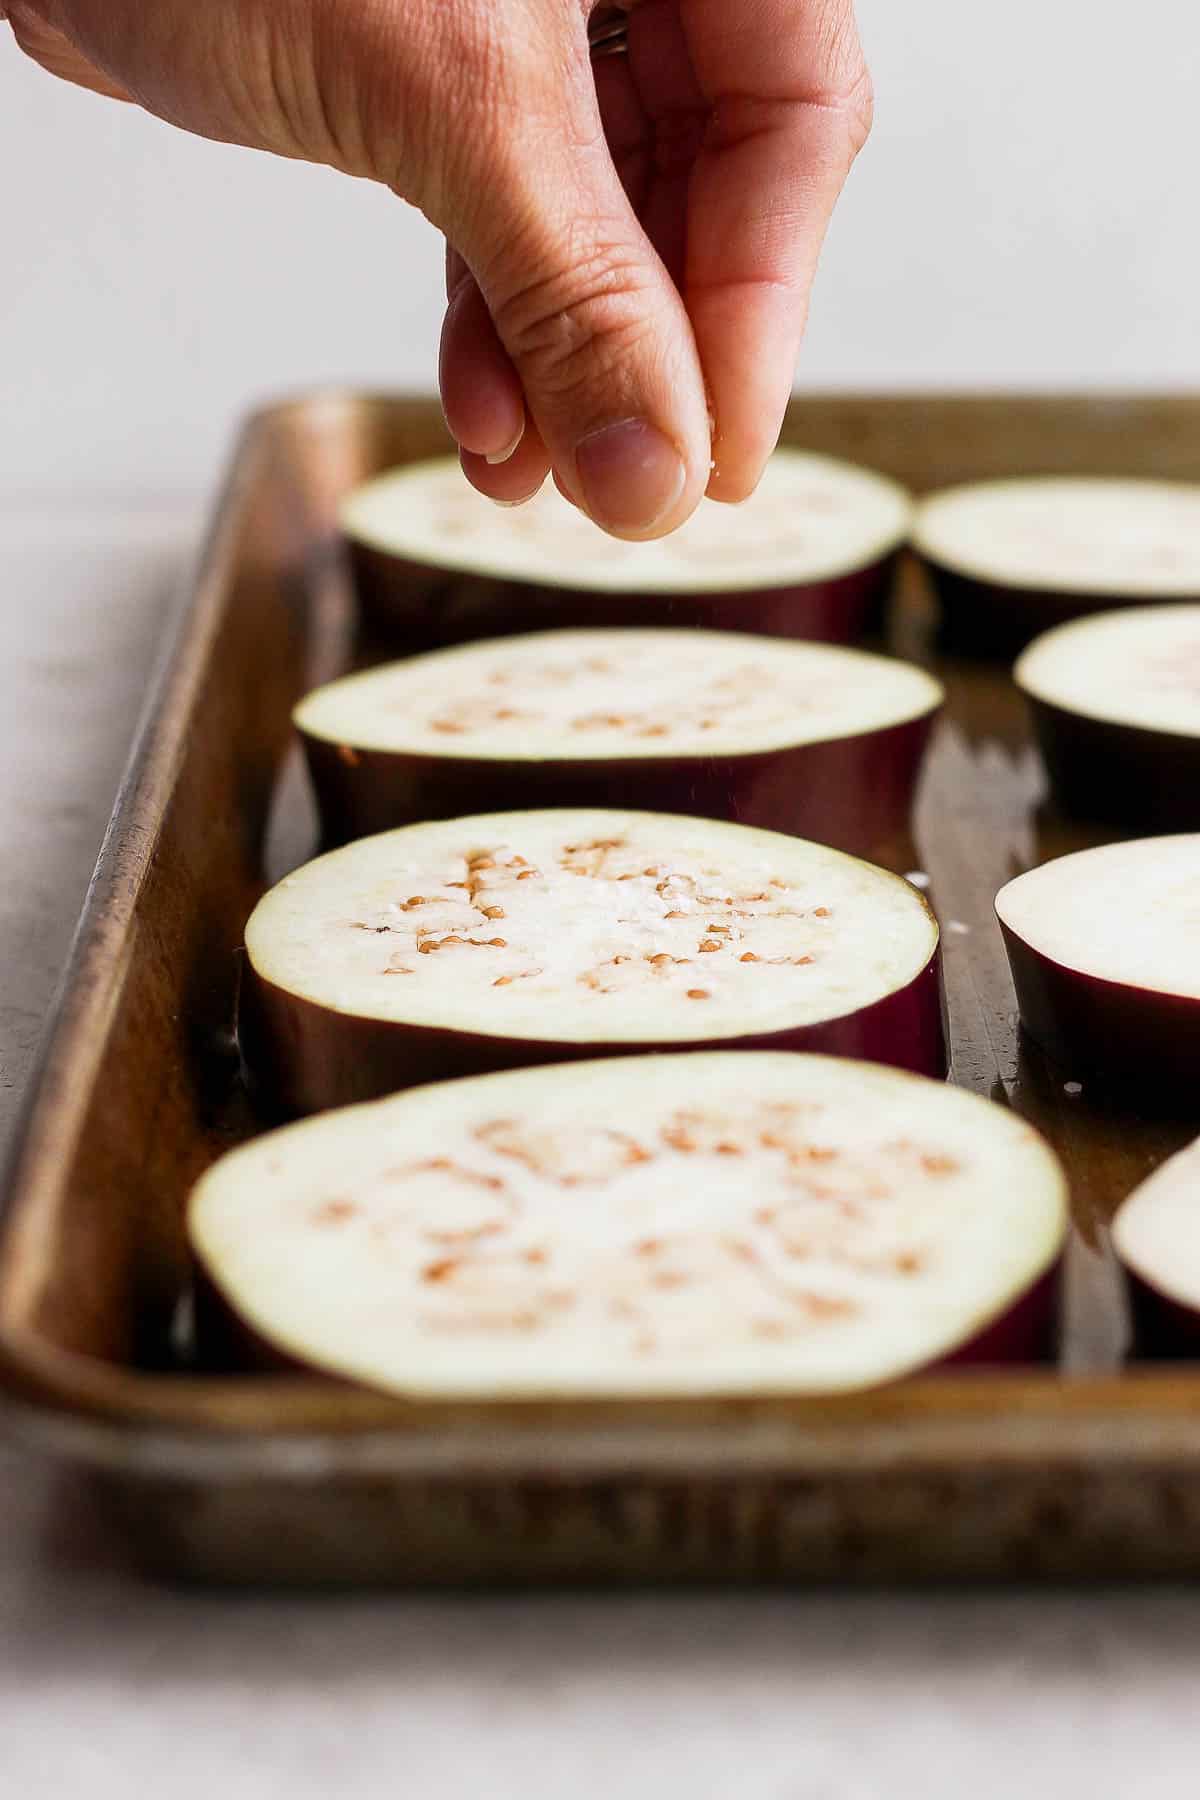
{"x": 106, "y": 1680}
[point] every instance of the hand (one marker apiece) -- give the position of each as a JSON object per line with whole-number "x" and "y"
{"x": 631, "y": 240}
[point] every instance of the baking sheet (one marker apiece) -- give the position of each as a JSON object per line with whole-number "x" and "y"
{"x": 1090, "y": 1464}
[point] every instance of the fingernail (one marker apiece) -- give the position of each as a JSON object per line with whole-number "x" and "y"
{"x": 631, "y": 475}
{"x": 522, "y": 501}
{"x": 507, "y": 455}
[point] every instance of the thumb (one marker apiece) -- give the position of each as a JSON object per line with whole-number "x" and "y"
{"x": 592, "y": 323}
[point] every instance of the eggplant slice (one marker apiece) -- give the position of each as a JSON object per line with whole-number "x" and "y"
{"x": 480, "y": 943}
{"x": 688, "y": 1225}
{"x": 826, "y": 743}
{"x": 1010, "y": 559}
{"x": 809, "y": 555}
{"x": 1116, "y": 705}
{"x": 1156, "y": 1234}
{"x": 1104, "y": 947}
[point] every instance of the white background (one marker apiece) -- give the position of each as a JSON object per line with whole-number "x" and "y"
{"x": 1026, "y": 213}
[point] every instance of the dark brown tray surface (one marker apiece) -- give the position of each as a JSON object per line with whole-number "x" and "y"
{"x": 1093, "y": 1462}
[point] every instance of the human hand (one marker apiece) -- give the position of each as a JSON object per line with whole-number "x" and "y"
{"x": 631, "y": 241}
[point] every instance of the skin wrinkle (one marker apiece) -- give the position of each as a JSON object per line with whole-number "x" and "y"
{"x": 703, "y": 166}
{"x": 735, "y": 119}
{"x": 302, "y": 102}
{"x": 605, "y": 306}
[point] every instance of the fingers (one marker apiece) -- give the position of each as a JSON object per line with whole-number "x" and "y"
{"x": 515, "y": 480}
{"x": 588, "y": 316}
{"x": 56, "y": 54}
{"x": 789, "y": 102}
{"x": 482, "y": 397}
{"x": 481, "y": 393}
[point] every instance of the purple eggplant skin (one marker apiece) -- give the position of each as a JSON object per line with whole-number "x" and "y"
{"x": 1130, "y": 1040}
{"x": 301, "y": 1057}
{"x": 1119, "y": 774}
{"x": 1026, "y": 1332}
{"x": 989, "y": 620}
{"x": 855, "y": 793}
{"x": 406, "y": 608}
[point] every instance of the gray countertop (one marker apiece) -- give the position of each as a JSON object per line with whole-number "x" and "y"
{"x": 106, "y": 1681}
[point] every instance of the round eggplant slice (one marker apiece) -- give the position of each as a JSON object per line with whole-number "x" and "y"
{"x": 1116, "y": 704}
{"x": 826, "y": 743}
{"x": 475, "y": 944}
{"x": 809, "y": 555}
{"x": 1105, "y": 953}
{"x": 1009, "y": 559}
{"x": 1155, "y": 1235}
{"x": 684, "y": 1225}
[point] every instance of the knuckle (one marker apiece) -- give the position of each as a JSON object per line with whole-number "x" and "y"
{"x": 859, "y": 108}
{"x": 846, "y": 89}
{"x": 577, "y": 326}
{"x": 426, "y": 107}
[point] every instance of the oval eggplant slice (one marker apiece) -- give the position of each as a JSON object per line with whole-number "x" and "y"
{"x": 809, "y": 555}
{"x": 1155, "y": 1235}
{"x": 687, "y": 1225}
{"x": 483, "y": 943}
{"x": 1009, "y": 559}
{"x": 1105, "y": 953}
{"x": 822, "y": 742}
{"x": 1116, "y": 704}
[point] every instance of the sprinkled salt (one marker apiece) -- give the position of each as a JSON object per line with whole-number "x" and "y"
{"x": 1073, "y": 1088}
{"x": 956, "y": 925}
{"x": 917, "y": 878}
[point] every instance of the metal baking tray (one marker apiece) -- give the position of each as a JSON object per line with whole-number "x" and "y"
{"x": 1089, "y": 1465}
